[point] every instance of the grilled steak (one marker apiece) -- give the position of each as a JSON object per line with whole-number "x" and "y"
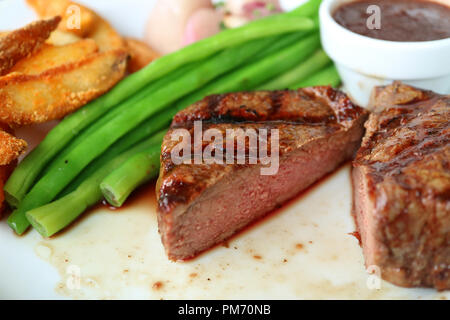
{"x": 401, "y": 183}
{"x": 201, "y": 205}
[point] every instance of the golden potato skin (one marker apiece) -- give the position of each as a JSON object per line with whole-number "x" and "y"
{"x": 54, "y": 93}
{"x": 5, "y": 172}
{"x": 20, "y": 43}
{"x": 10, "y": 147}
{"x": 50, "y": 56}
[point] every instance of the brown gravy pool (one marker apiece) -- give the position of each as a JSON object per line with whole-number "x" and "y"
{"x": 401, "y": 20}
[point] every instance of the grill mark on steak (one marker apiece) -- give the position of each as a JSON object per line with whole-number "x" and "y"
{"x": 276, "y": 101}
{"x": 402, "y": 186}
{"x": 321, "y": 105}
{"x": 200, "y": 205}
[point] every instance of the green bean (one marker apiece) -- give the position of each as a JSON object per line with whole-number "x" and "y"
{"x": 273, "y": 25}
{"x": 273, "y": 65}
{"x": 55, "y": 216}
{"x": 67, "y": 168}
{"x": 119, "y": 184}
{"x": 249, "y": 77}
{"x": 305, "y": 69}
{"x": 327, "y": 76}
{"x": 143, "y": 131}
{"x": 282, "y": 42}
{"x": 24, "y": 176}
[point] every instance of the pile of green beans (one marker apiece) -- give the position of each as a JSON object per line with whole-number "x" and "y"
{"x": 56, "y": 215}
{"x": 112, "y": 145}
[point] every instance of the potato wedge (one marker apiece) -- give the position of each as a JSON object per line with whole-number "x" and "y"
{"x": 50, "y": 56}
{"x": 61, "y": 38}
{"x": 20, "y": 43}
{"x": 5, "y": 172}
{"x": 76, "y": 18}
{"x": 10, "y": 148}
{"x": 3, "y": 177}
{"x": 105, "y": 36}
{"x": 140, "y": 54}
{"x": 91, "y": 24}
{"x": 26, "y": 99}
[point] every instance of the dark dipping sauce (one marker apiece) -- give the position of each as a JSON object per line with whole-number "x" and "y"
{"x": 401, "y": 20}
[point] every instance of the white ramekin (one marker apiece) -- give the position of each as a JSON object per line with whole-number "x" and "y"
{"x": 364, "y": 62}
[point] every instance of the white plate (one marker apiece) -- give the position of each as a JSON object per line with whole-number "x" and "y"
{"x": 302, "y": 251}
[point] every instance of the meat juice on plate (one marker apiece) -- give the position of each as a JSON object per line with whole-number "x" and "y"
{"x": 304, "y": 251}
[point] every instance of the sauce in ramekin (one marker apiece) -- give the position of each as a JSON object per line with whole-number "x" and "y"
{"x": 399, "y": 20}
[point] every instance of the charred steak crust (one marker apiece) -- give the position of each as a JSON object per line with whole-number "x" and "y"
{"x": 401, "y": 181}
{"x": 313, "y": 123}
{"x": 321, "y": 105}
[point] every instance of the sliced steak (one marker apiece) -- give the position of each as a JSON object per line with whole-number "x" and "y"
{"x": 401, "y": 181}
{"x": 201, "y": 205}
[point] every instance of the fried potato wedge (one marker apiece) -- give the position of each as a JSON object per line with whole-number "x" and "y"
{"x": 76, "y": 18}
{"x": 141, "y": 54}
{"x": 26, "y": 99}
{"x": 106, "y": 36}
{"x": 10, "y": 147}
{"x": 20, "y": 43}
{"x": 62, "y": 38}
{"x": 3, "y": 177}
{"x": 5, "y": 172}
{"x": 50, "y": 56}
{"x": 91, "y": 25}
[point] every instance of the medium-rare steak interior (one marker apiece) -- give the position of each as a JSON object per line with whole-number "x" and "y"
{"x": 200, "y": 205}
{"x": 401, "y": 183}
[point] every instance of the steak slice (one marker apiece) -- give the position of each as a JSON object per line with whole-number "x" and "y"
{"x": 401, "y": 187}
{"x": 200, "y": 205}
